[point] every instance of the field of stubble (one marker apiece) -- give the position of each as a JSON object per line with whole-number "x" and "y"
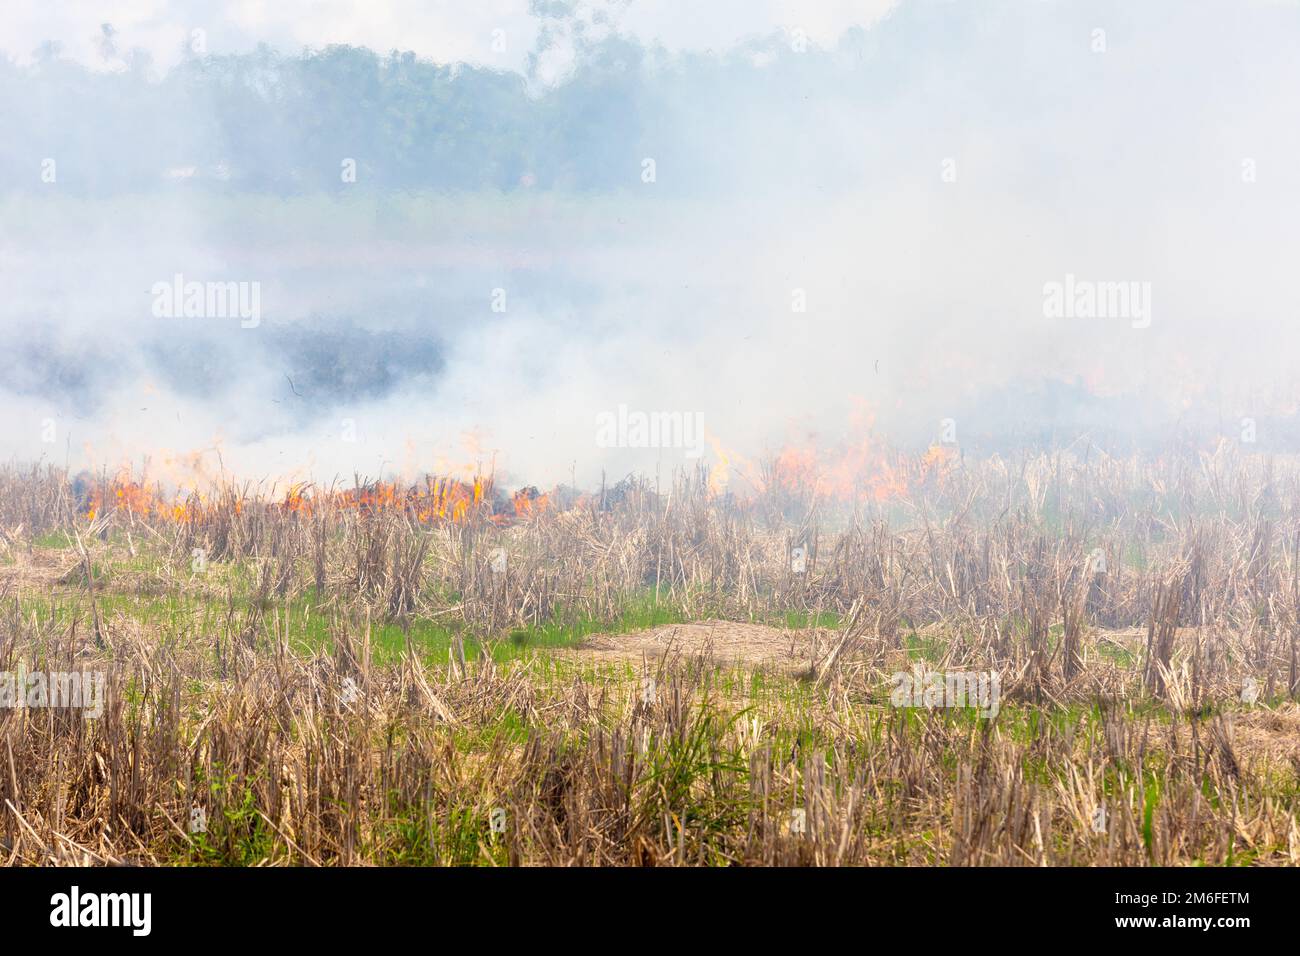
{"x": 440, "y": 675}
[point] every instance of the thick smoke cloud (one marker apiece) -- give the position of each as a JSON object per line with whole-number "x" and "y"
{"x": 863, "y": 224}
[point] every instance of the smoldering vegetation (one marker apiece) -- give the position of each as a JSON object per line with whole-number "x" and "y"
{"x": 800, "y": 246}
{"x": 350, "y": 678}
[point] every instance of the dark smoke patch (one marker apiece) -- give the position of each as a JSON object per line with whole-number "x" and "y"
{"x": 312, "y": 366}
{"x": 194, "y": 369}
{"x": 73, "y": 373}
{"x": 345, "y": 365}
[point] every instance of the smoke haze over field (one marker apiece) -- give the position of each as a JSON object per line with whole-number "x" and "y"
{"x": 501, "y": 272}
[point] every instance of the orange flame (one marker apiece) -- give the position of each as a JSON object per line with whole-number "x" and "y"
{"x": 529, "y": 502}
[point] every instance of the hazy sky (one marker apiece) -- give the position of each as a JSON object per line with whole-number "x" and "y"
{"x": 858, "y": 212}
{"x": 444, "y": 31}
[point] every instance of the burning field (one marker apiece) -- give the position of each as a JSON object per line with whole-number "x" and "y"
{"x": 862, "y": 658}
{"x": 574, "y": 434}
